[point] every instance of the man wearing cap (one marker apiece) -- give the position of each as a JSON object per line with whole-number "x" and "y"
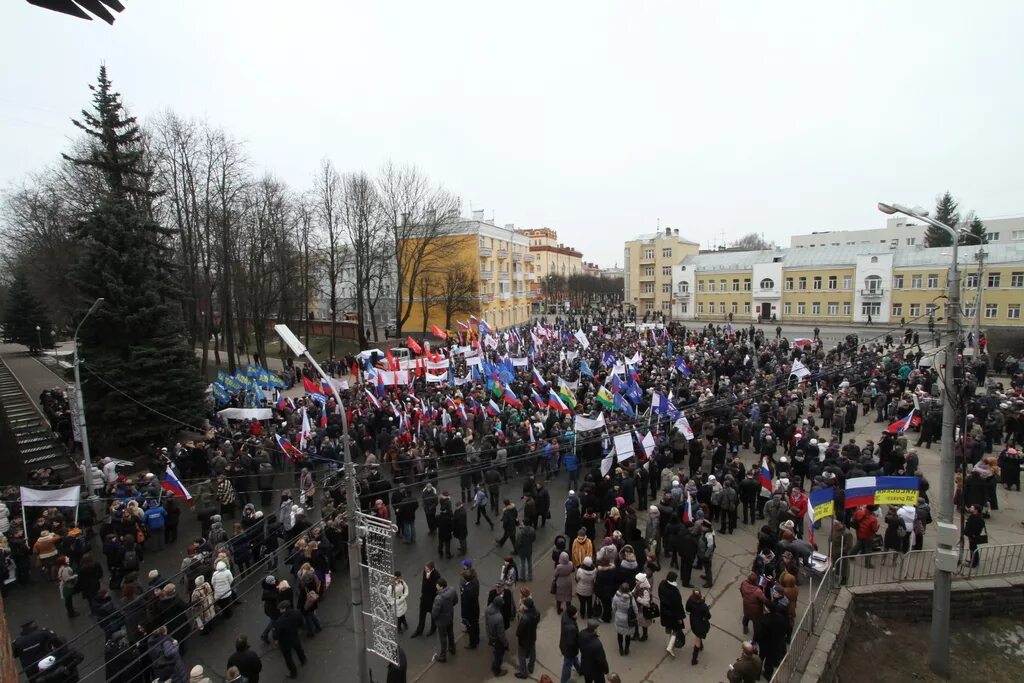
{"x": 593, "y": 661}
{"x": 30, "y": 645}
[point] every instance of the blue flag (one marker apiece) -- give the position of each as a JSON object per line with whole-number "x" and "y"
{"x": 623, "y": 405}
{"x": 585, "y": 369}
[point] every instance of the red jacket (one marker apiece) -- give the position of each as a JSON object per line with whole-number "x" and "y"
{"x": 866, "y": 523}
{"x": 798, "y": 501}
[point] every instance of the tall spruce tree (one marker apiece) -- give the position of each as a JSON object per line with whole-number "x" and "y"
{"x": 134, "y": 349}
{"x": 976, "y": 233}
{"x": 947, "y": 212}
{"x": 23, "y": 313}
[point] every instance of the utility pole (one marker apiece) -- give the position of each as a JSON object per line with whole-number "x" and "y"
{"x": 977, "y": 301}
{"x": 87, "y": 458}
{"x": 355, "y": 570}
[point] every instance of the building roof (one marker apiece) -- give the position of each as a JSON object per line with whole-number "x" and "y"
{"x": 651, "y": 236}
{"x": 846, "y": 255}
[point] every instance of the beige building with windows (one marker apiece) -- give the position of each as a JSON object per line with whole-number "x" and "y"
{"x": 648, "y": 270}
{"x": 849, "y": 284}
{"x": 551, "y": 257}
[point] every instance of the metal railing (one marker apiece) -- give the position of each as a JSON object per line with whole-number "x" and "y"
{"x": 881, "y": 568}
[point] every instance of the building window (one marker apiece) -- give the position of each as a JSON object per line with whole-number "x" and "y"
{"x": 833, "y": 308}
{"x": 735, "y": 307}
{"x": 846, "y": 308}
{"x": 666, "y": 306}
{"x": 817, "y": 282}
{"x": 746, "y": 307}
{"x": 874, "y": 259}
{"x": 1013, "y": 311}
{"x": 684, "y": 287}
{"x": 648, "y": 288}
{"x": 801, "y": 283}
{"x": 801, "y": 308}
{"x": 897, "y": 282}
{"x": 991, "y": 237}
{"x": 712, "y": 286}
{"x": 1018, "y": 234}
{"x": 971, "y": 281}
{"x": 872, "y": 308}
{"x": 666, "y": 270}
{"x": 721, "y": 307}
{"x": 648, "y": 253}
{"x": 910, "y": 241}
{"x": 847, "y": 282}
{"x": 666, "y": 288}
{"x": 1017, "y": 279}
{"x": 665, "y": 253}
{"x": 736, "y": 285}
{"x": 746, "y": 284}
{"x": 700, "y": 285}
{"x": 683, "y": 307}
{"x": 993, "y": 279}
{"x": 649, "y": 306}
{"x": 933, "y": 280}
{"x": 915, "y": 282}
{"x": 767, "y": 283}
{"x": 725, "y": 285}
{"x": 816, "y": 308}
{"x": 787, "y": 308}
{"x": 700, "y": 309}
{"x": 991, "y": 311}
{"x": 789, "y": 283}
{"x": 873, "y": 284}
{"x": 833, "y": 282}
{"x": 649, "y": 271}
{"x": 970, "y": 311}
{"x": 897, "y": 310}
{"x": 915, "y": 310}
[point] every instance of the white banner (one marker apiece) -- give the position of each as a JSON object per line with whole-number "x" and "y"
{"x": 586, "y": 424}
{"x": 246, "y": 413}
{"x": 475, "y": 360}
{"x": 391, "y": 377}
{"x": 606, "y": 464}
{"x": 435, "y": 379}
{"x": 51, "y": 498}
{"x": 635, "y": 359}
{"x": 799, "y": 369}
{"x": 581, "y": 337}
{"x": 442, "y": 365}
{"x": 624, "y": 446}
{"x": 521, "y": 362}
{"x": 683, "y": 425}
{"x": 339, "y": 384}
{"x": 570, "y": 356}
{"x": 571, "y": 386}
{"x": 648, "y": 443}
{"x": 468, "y": 379}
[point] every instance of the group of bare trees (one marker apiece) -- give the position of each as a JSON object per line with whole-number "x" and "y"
{"x": 583, "y": 290}
{"x": 250, "y": 249}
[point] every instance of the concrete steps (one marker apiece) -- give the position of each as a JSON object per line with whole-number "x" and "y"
{"x": 37, "y": 446}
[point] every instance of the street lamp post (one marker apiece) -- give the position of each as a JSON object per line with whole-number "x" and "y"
{"x": 87, "y": 458}
{"x": 39, "y": 338}
{"x": 355, "y": 570}
{"x": 947, "y": 534}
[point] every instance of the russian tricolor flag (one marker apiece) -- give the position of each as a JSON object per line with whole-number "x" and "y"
{"x": 373, "y": 399}
{"x": 492, "y": 408}
{"x": 538, "y": 379}
{"x": 900, "y": 426}
{"x": 291, "y": 453}
{"x": 765, "y": 476}
{"x": 173, "y": 485}
{"x": 511, "y": 398}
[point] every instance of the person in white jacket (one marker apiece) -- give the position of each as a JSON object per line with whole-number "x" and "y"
{"x": 221, "y": 582}
{"x": 5, "y": 518}
{"x": 399, "y": 594}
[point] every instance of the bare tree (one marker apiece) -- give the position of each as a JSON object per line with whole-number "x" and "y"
{"x": 304, "y": 214}
{"x": 328, "y": 193}
{"x": 458, "y": 291}
{"x": 419, "y": 216}
{"x": 753, "y": 242}
{"x": 361, "y": 217}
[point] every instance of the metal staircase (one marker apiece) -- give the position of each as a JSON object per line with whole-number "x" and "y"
{"x": 29, "y": 433}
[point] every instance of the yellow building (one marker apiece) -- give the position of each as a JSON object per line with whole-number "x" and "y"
{"x": 483, "y": 270}
{"x": 648, "y": 270}
{"x": 848, "y": 284}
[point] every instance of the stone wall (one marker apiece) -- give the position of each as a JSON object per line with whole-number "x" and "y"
{"x": 911, "y": 601}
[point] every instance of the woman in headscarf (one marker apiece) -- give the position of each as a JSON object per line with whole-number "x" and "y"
{"x": 202, "y": 608}
{"x": 562, "y": 583}
{"x": 642, "y": 596}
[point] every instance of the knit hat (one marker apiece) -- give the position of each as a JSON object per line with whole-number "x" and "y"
{"x": 467, "y": 563}
{"x": 153, "y": 574}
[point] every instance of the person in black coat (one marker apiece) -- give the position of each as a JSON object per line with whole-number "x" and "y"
{"x": 469, "y": 599}
{"x": 688, "y": 545}
{"x": 543, "y": 501}
{"x": 460, "y": 527}
{"x": 286, "y": 632}
{"x": 569, "y": 642}
{"x": 770, "y": 635}
{"x": 428, "y": 591}
{"x": 445, "y": 526}
{"x": 670, "y": 600}
{"x": 397, "y": 672}
{"x": 700, "y": 622}
{"x": 247, "y": 661}
{"x": 593, "y": 662}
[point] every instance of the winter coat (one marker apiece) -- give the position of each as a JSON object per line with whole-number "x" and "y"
{"x": 495, "y": 623}
{"x": 585, "y": 579}
{"x": 443, "y": 611}
{"x": 221, "y": 582}
{"x": 399, "y": 595}
{"x": 581, "y": 549}
{"x": 569, "y": 638}
{"x": 428, "y": 589}
{"x": 754, "y": 600}
{"x": 700, "y": 617}
{"x": 202, "y": 607}
{"x": 671, "y": 603}
{"x": 469, "y": 590}
{"x": 621, "y": 604}
{"x": 593, "y": 662}
{"x": 563, "y": 579}
{"x": 526, "y": 629}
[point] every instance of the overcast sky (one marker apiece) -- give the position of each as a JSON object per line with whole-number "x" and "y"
{"x": 593, "y": 118}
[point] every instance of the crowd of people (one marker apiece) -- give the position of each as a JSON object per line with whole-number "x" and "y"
{"x": 721, "y": 405}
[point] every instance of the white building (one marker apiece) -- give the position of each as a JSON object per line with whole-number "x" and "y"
{"x": 899, "y": 231}
{"x": 1004, "y": 230}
